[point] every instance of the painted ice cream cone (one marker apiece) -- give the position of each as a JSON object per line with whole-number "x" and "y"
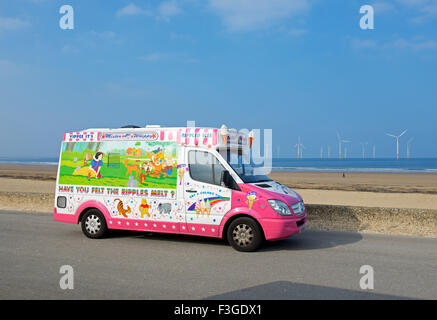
{"x": 251, "y": 137}
{"x": 250, "y": 202}
{"x": 181, "y": 171}
{"x": 202, "y": 206}
{"x": 208, "y": 207}
{"x": 251, "y": 198}
{"x": 197, "y": 207}
{"x": 181, "y": 175}
{"x": 224, "y": 133}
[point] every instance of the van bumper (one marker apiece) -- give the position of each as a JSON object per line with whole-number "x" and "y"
{"x": 277, "y": 229}
{"x": 67, "y": 218}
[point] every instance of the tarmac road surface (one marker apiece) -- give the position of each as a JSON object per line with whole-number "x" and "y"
{"x": 133, "y": 265}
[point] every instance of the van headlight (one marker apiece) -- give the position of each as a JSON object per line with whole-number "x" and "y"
{"x": 298, "y": 208}
{"x": 280, "y": 207}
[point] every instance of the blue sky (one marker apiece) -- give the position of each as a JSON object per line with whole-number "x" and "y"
{"x": 300, "y": 67}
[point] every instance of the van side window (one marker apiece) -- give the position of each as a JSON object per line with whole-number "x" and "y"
{"x": 204, "y": 167}
{"x": 217, "y": 170}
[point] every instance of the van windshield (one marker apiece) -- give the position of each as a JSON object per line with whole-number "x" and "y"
{"x": 248, "y": 172}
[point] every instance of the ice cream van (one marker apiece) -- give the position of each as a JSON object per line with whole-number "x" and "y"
{"x": 184, "y": 180}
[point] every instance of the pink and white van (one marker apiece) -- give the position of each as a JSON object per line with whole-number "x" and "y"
{"x": 191, "y": 181}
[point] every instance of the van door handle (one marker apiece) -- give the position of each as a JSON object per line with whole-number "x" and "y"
{"x": 191, "y": 190}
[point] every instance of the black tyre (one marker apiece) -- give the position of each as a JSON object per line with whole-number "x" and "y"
{"x": 244, "y": 234}
{"x": 94, "y": 224}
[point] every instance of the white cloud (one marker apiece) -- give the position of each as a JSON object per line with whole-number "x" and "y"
{"x": 165, "y": 56}
{"x": 362, "y": 43}
{"x": 164, "y": 10}
{"x": 245, "y": 15}
{"x": 68, "y": 49}
{"x": 297, "y": 32}
{"x": 430, "y": 8}
{"x": 427, "y": 12}
{"x": 91, "y": 39}
{"x": 105, "y": 35}
{"x": 413, "y": 45}
{"x": 155, "y": 56}
{"x": 38, "y": 1}
{"x": 7, "y": 67}
{"x": 132, "y": 10}
{"x": 124, "y": 89}
{"x": 169, "y": 9}
{"x": 13, "y": 23}
{"x": 416, "y": 44}
{"x": 412, "y": 2}
{"x": 424, "y": 10}
{"x": 382, "y": 6}
{"x": 180, "y": 36}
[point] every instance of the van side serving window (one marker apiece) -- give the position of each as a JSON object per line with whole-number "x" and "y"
{"x": 204, "y": 167}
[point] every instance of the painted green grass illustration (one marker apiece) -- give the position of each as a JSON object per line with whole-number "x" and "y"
{"x": 113, "y": 173}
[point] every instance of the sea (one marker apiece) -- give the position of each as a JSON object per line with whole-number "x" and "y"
{"x": 424, "y": 165}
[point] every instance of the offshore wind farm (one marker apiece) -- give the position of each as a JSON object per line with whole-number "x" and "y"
{"x": 364, "y": 160}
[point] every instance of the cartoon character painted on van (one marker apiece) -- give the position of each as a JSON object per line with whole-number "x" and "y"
{"x": 93, "y": 170}
{"x": 145, "y": 181}
{"x": 120, "y": 164}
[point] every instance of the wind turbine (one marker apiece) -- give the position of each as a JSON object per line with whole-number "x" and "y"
{"x": 321, "y": 152}
{"x": 302, "y": 147}
{"x": 329, "y": 151}
{"x": 374, "y": 151}
{"x": 397, "y": 141}
{"x": 340, "y": 141}
{"x": 345, "y": 148}
{"x": 408, "y": 147}
{"x": 339, "y": 145}
{"x": 363, "y": 145}
{"x": 298, "y": 147}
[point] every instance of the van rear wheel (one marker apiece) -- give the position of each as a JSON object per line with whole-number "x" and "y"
{"x": 244, "y": 234}
{"x": 93, "y": 224}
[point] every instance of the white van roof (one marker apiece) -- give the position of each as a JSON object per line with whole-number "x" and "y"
{"x": 185, "y": 136}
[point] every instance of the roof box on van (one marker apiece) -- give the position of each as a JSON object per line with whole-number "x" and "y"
{"x": 130, "y": 126}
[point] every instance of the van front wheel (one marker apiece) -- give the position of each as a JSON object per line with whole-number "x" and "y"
{"x": 244, "y": 234}
{"x": 94, "y": 224}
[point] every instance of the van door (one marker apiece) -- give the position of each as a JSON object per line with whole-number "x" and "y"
{"x": 206, "y": 200}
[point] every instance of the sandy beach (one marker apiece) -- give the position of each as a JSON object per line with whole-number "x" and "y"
{"x": 28, "y": 172}
{"x": 388, "y": 190}
{"x": 374, "y": 202}
{"x": 384, "y": 182}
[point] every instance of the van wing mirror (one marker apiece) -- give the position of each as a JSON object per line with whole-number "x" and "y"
{"x": 227, "y": 181}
